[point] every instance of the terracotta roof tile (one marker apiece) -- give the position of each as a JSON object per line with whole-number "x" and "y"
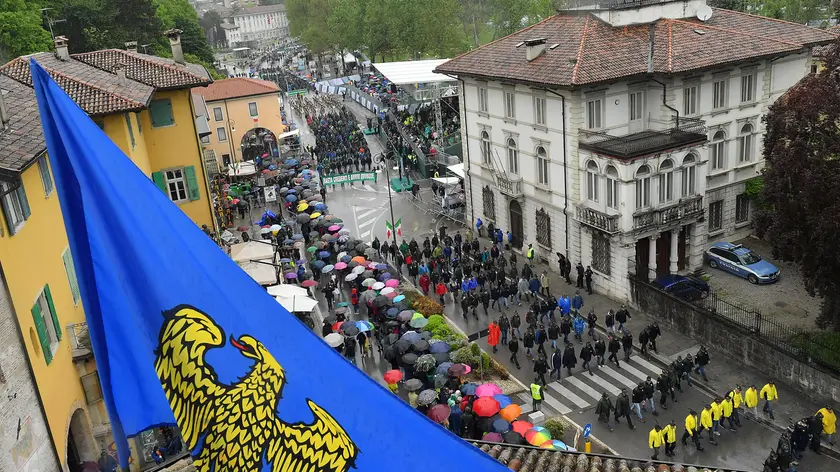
{"x": 158, "y": 72}
{"x": 591, "y": 51}
{"x": 821, "y": 51}
{"x": 235, "y": 88}
{"x": 22, "y": 140}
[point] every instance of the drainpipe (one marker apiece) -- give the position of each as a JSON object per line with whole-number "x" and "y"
{"x": 21, "y": 339}
{"x": 565, "y": 169}
{"x": 650, "y": 71}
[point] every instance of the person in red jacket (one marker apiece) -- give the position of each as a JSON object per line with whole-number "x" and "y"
{"x": 354, "y": 300}
{"x": 440, "y": 290}
{"x": 425, "y": 282}
{"x": 494, "y": 334}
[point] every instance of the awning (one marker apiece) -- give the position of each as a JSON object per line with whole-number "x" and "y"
{"x": 457, "y": 169}
{"x": 349, "y": 58}
{"x": 242, "y": 169}
{"x": 413, "y": 72}
{"x": 297, "y": 303}
{"x": 251, "y": 251}
{"x": 287, "y": 291}
{"x": 447, "y": 180}
{"x": 289, "y": 134}
{"x": 263, "y": 274}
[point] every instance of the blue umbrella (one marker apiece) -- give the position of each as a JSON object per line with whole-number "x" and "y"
{"x": 444, "y": 368}
{"x": 272, "y": 167}
{"x": 501, "y": 426}
{"x": 285, "y": 259}
{"x": 292, "y": 190}
{"x": 384, "y": 277}
{"x": 346, "y": 259}
{"x": 399, "y": 298}
{"x": 467, "y": 388}
{"x": 318, "y": 265}
{"x": 291, "y": 162}
{"x": 320, "y": 206}
{"x": 503, "y": 400}
{"x": 288, "y": 242}
{"x": 297, "y": 236}
{"x": 381, "y": 266}
{"x": 291, "y": 198}
{"x": 392, "y": 312}
{"x": 411, "y": 336}
{"x": 436, "y": 347}
{"x": 323, "y": 254}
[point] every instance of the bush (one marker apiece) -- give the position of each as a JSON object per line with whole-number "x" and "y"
{"x": 457, "y": 341}
{"x": 426, "y": 306}
{"x": 475, "y": 349}
{"x": 555, "y": 427}
{"x": 435, "y": 322}
{"x": 464, "y": 356}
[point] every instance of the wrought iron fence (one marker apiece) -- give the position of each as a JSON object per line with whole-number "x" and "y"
{"x": 79, "y": 336}
{"x": 682, "y": 132}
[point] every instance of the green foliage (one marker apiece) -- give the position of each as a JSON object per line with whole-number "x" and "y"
{"x": 821, "y": 346}
{"x": 753, "y": 187}
{"x": 426, "y": 306}
{"x": 181, "y": 15}
{"x": 556, "y": 428}
{"x": 21, "y": 29}
{"x": 475, "y": 349}
{"x": 435, "y": 322}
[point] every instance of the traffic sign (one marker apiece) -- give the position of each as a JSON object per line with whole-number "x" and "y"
{"x": 587, "y": 430}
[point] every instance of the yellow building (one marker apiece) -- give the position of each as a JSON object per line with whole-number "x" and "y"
{"x": 144, "y": 105}
{"x": 244, "y": 118}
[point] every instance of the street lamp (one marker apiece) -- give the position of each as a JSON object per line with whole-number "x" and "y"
{"x": 381, "y": 160}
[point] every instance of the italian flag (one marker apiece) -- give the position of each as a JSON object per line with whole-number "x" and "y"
{"x": 390, "y": 228}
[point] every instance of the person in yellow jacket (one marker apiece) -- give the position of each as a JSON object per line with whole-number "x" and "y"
{"x": 726, "y": 411}
{"x": 829, "y": 420}
{"x": 669, "y": 438}
{"x": 655, "y": 441}
{"x": 737, "y": 400}
{"x": 717, "y": 411}
{"x": 769, "y": 394}
{"x": 751, "y": 399}
{"x": 691, "y": 430}
{"x": 706, "y": 423}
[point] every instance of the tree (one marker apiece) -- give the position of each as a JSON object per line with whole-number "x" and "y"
{"x": 181, "y": 15}
{"x": 211, "y": 22}
{"x": 21, "y": 29}
{"x": 800, "y": 215}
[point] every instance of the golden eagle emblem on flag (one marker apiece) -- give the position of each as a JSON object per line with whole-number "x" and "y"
{"x": 237, "y": 425}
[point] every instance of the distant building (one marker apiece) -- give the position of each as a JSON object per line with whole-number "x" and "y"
{"x": 259, "y": 26}
{"x": 232, "y": 35}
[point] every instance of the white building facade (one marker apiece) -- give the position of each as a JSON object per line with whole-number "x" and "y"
{"x": 260, "y": 26}
{"x": 628, "y": 174}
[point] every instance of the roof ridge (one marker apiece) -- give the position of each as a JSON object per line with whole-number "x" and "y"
{"x": 88, "y": 84}
{"x": 261, "y": 82}
{"x": 764, "y": 18}
{"x": 162, "y": 64}
{"x": 670, "y": 47}
{"x": 580, "y": 50}
{"x": 736, "y": 31}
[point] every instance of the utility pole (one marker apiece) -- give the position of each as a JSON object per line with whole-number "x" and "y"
{"x": 383, "y": 162}
{"x": 49, "y": 21}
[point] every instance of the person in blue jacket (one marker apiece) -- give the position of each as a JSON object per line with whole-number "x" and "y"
{"x": 500, "y": 239}
{"x": 510, "y": 239}
{"x": 564, "y": 304}
{"x": 478, "y": 225}
{"x": 534, "y": 286}
{"x": 577, "y": 301}
{"x": 579, "y": 325}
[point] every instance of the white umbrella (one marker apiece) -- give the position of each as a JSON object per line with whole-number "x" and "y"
{"x": 386, "y": 290}
{"x": 265, "y": 231}
{"x": 251, "y": 251}
{"x": 275, "y": 228}
{"x": 378, "y": 286}
{"x": 351, "y": 277}
{"x": 359, "y": 269}
{"x": 297, "y": 303}
{"x": 287, "y": 290}
{"x": 263, "y": 273}
{"x": 334, "y": 339}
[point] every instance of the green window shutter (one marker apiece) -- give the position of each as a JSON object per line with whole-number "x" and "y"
{"x": 158, "y": 178}
{"x": 8, "y": 213}
{"x": 70, "y": 268}
{"x": 161, "y": 113}
{"x": 139, "y": 126}
{"x": 24, "y": 202}
{"x": 192, "y": 183}
{"x": 130, "y": 130}
{"x": 57, "y": 326}
{"x": 42, "y": 332}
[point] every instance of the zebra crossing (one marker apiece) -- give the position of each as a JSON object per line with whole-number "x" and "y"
{"x": 582, "y": 391}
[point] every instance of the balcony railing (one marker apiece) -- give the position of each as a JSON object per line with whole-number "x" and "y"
{"x": 611, "y": 4}
{"x": 686, "y": 208}
{"x": 80, "y": 340}
{"x": 688, "y": 132}
{"x": 509, "y": 185}
{"x": 596, "y": 219}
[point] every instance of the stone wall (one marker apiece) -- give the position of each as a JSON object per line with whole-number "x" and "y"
{"x": 737, "y": 342}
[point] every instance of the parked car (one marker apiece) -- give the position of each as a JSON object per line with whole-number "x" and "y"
{"x": 682, "y": 286}
{"x": 738, "y": 260}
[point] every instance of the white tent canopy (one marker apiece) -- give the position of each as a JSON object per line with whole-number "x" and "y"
{"x": 287, "y": 291}
{"x": 242, "y": 169}
{"x": 457, "y": 169}
{"x": 289, "y": 134}
{"x": 263, "y": 273}
{"x": 413, "y": 72}
{"x": 297, "y": 303}
{"x": 349, "y": 58}
{"x": 251, "y": 251}
{"x": 447, "y": 180}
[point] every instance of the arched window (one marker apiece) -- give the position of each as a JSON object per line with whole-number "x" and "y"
{"x": 666, "y": 181}
{"x": 513, "y": 156}
{"x": 612, "y": 188}
{"x": 542, "y": 166}
{"x": 592, "y": 181}
{"x": 718, "y": 148}
{"x": 643, "y": 187}
{"x": 689, "y": 175}
{"x": 745, "y": 143}
{"x": 486, "y": 148}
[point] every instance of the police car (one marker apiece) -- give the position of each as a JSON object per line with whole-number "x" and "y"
{"x": 738, "y": 260}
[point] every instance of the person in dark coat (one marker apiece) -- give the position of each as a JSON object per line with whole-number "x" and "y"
{"x": 529, "y": 341}
{"x": 586, "y": 353}
{"x": 504, "y": 326}
{"x": 565, "y": 329}
{"x": 513, "y": 346}
{"x": 587, "y": 275}
{"x": 326, "y": 329}
{"x": 702, "y": 359}
{"x": 515, "y": 321}
{"x": 663, "y": 384}
{"x": 553, "y": 333}
{"x": 465, "y": 305}
{"x": 604, "y": 410}
{"x": 556, "y": 363}
{"x": 643, "y": 341}
{"x": 614, "y": 347}
{"x": 569, "y": 358}
{"x": 580, "y": 275}
{"x": 653, "y": 333}
{"x": 539, "y": 338}
{"x": 600, "y": 350}
{"x": 627, "y": 344}
{"x": 468, "y": 424}
{"x": 540, "y": 368}
{"x": 650, "y": 388}
{"x": 622, "y": 408}
{"x": 621, "y": 317}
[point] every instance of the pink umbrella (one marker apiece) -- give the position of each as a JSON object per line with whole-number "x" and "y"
{"x": 487, "y": 390}
{"x": 372, "y": 265}
{"x": 334, "y": 228}
{"x": 308, "y": 283}
{"x": 391, "y": 295}
{"x": 341, "y": 265}
{"x": 388, "y": 283}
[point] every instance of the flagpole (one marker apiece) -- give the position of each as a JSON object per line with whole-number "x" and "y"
{"x": 390, "y": 201}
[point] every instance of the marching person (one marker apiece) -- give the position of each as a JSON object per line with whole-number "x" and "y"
{"x": 751, "y": 400}
{"x": 727, "y": 410}
{"x": 669, "y": 436}
{"x": 737, "y": 399}
{"x": 600, "y": 350}
{"x": 655, "y": 441}
{"x": 614, "y": 347}
{"x": 603, "y": 410}
{"x": 638, "y": 400}
{"x": 706, "y": 423}
{"x": 494, "y": 334}
{"x": 586, "y": 353}
{"x": 769, "y": 394}
{"x": 540, "y": 368}
{"x": 536, "y": 394}
{"x": 513, "y": 346}
{"x": 829, "y": 420}
{"x": 702, "y": 359}
{"x": 622, "y": 408}
{"x": 692, "y": 430}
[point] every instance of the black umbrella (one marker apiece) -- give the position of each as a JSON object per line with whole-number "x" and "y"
{"x": 360, "y": 248}
{"x": 330, "y": 319}
{"x": 351, "y": 331}
{"x": 441, "y": 357}
{"x": 409, "y": 359}
{"x": 425, "y": 335}
{"x": 302, "y": 218}
{"x": 381, "y": 300}
{"x": 412, "y": 385}
{"x": 512, "y": 437}
{"x": 390, "y": 339}
{"x": 402, "y": 346}
{"x": 394, "y": 324}
{"x": 440, "y": 380}
{"x": 421, "y": 346}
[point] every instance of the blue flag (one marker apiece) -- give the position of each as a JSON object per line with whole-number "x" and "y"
{"x": 183, "y": 336}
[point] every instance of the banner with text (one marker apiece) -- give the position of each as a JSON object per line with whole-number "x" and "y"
{"x": 347, "y": 178}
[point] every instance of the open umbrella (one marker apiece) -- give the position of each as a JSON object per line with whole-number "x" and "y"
{"x": 327, "y": 269}
{"x": 420, "y": 346}
{"x": 334, "y": 339}
{"x": 492, "y": 437}
{"x": 486, "y": 407}
{"x": 359, "y": 259}
{"x": 341, "y": 265}
{"x": 393, "y": 283}
{"x": 439, "y": 413}
{"x": 318, "y": 265}
{"x": 424, "y": 363}
{"x": 399, "y": 298}
{"x": 467, "y": 388}
{"x": 501, "y": 426}
{"x": 488, "y": 390}
{"x": 427, "y": 397}
{"x": 439, "y": 346}
{"x": 418, "y": 322}
{"x": 402, "y": 346}
{"x": 412, "y": 385}
{"x": 350, "y": 277}
{"x": 444, "y": 368}
{"x": 381, "y": 301}
{"x": 556, "y": 445}
{"x": 510, "y": 412}
{"x": 386, "y": 290}
{"x": 411, "y": 337}
{"x": 366, "y": 282}
{"x": 521, "y": 427}
{"x": 291, "y": 198}
{"x": 323, "y": 254}
{"x": 352, "y": 331}
{"x": 513, "y": 438}
{"x": 291, "y": 275}
{"x": 333, "y": 227}
{"x": 459, "y": 370}
{"x": 364, "y": 326}
{"x": 537, "y": 436}
{"x": 360, "y": 270}
{"x": 308, "y": 283}
{"x": 503, "y": 400}
{"x": 441, "y": 357}
{"x": 390, "y": 339}
{"x": 301, "y": 218}
{"x": 393, "y": 376}
{"x": 409, "y": 358}
{"x": 440, "y": 380}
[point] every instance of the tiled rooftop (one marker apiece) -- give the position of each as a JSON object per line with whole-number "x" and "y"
{"x": 22, "y": 140}
{"x": 821, "y": 51}
{"x": 158, "y": 72}
{"x": 235, "y": 88}
{"x": 591, "y": 51}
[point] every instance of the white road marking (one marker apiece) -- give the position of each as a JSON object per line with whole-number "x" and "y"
{"x": 369, "y": 188}
{"x": 583, "y": 387}
{"x": 624, "y": 380}
{"x": 366, "y": 223}
{"x": 367, "y": 213}
{"x": 364, "y": 235}
{"x": 626, "y": 367}
{"x": 647, "y": 365}
{"x": 568, "y": 394}
{"x": 602, "y": 382}
{"x": 561, "y": 408}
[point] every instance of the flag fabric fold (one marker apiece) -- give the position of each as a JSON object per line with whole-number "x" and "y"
{"x": 181, "y": 335}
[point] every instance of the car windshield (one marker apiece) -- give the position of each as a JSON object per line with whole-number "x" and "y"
{"x": 750, "y": 258}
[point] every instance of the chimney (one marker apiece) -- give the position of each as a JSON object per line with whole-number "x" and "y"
{"x": 534, "y": 48}
{"x": 119, "y": 69}
{"x": 131, "y": 46}
{"x": 61, "y": 50}
{"x": 174, "y": 36}
{"x": 4, "y": 112}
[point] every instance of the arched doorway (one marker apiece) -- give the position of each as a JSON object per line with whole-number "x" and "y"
{"x": 81, "y": 447}
{"x": 258, "y": 142}
{"x": 516, "y": 226}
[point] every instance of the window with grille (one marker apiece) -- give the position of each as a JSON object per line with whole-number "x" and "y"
{"x": 742, "y": 208}
{"x": 542, "y": 166}
{"x": 716, "y": 216}
{"x": 601, "y": 257}
{"x": 489, "y": 201}
{"x": 543, "y": 228}
{"x": 719, "y": 95}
